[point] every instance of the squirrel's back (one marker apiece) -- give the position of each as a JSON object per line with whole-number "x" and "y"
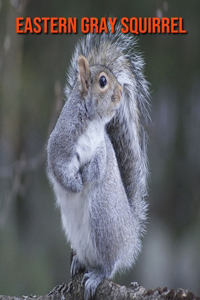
{"x": 118, "y": 52}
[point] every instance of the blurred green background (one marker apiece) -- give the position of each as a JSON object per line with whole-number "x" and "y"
{"x": 34, "y": 256}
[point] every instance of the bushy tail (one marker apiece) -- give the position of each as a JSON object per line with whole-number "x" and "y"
{"x": 118, "y": 52}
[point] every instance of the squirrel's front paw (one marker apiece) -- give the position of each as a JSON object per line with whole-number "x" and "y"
{"x": 76, "y": 185}
{"x": 86, "y": 174}
{"x": 91, "y": 172}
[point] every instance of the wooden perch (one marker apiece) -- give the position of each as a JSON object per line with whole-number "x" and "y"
{"x": 108, "y": 290}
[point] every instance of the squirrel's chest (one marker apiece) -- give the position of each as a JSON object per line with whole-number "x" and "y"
{"x": 88, "y": 142}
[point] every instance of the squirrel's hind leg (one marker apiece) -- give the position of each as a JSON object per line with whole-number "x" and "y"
{"x": 91, "y": 280}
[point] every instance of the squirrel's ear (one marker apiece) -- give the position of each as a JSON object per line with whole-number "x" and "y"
{"x": 84, "y": 73}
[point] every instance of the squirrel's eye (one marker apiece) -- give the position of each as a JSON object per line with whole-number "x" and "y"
{"x": 102, "y": 81}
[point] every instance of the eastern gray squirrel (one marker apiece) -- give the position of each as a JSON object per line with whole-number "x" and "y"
{"x": 97, "y": 156}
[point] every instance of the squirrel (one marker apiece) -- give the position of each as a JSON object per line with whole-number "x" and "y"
{"x": 96, "y": 156}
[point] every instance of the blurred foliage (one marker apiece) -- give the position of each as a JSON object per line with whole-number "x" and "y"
{"x": 34, "y": 255}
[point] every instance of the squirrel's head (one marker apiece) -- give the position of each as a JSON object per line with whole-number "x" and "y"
{"x": 99, "y": 89}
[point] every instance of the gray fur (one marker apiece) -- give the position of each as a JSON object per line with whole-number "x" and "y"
{"x": 98, "y": 169}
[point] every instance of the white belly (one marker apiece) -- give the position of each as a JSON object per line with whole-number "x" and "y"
{"x": 75, "y": 215}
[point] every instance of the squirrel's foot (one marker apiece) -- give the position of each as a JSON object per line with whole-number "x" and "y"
{"x": 76, "y": 266}
{"x": 91, "y": 280}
